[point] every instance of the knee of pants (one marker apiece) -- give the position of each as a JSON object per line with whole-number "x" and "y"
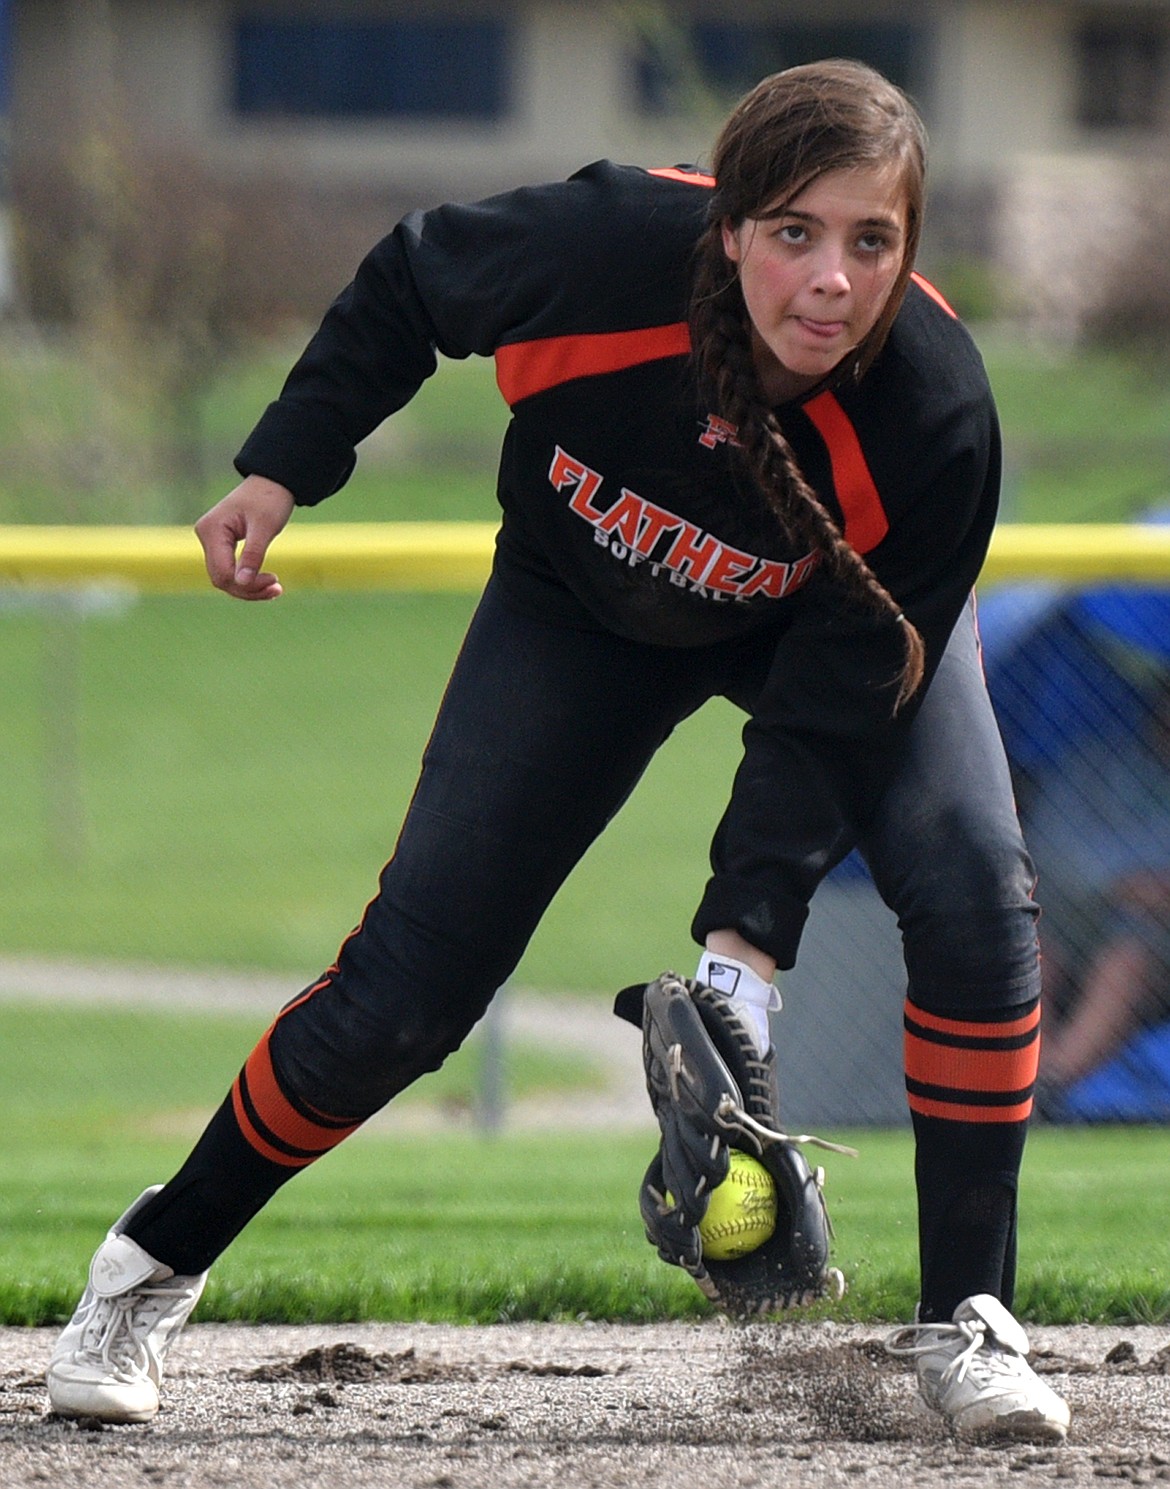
{"x": 408, "y": 986}
{"x": 346, "y": 1055}
{"x": 975, "y": 962}
{"x": 374, "y": 1025}
{"x": 968, "y": 922}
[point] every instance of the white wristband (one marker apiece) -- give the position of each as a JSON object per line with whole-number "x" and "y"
{"x": 738, "y": 981}
{"x": 747, "y": 992}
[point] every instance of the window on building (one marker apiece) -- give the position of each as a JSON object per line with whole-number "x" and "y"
{"x": 401, "y": 68}
{"x": 1122, "y": 72}
{"x": 726, "y": 58}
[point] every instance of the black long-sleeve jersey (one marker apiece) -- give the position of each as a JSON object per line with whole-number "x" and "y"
{"x": 625, "y": 504}
{"x": 622, "y": 497}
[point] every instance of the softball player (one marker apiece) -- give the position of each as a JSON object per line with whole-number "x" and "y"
{"x": 751, "y": 455}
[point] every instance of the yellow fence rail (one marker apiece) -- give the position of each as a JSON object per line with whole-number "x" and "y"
{"x": 457, "y": 555}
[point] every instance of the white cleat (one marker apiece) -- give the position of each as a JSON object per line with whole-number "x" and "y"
{"x": 108, "y": 1361}
{"x": 975, "y": 1373}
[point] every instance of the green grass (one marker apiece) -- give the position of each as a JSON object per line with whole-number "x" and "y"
{"x": 96, "y": 1102}
{"x": 450, "y": 1226}
{"x": 434, "y": 1228}
{"x": 1086, "y": 431}
{"x": 1085, "y": 435}
{"x": 113, "y": 1073}
{"x": 242, "y": 772}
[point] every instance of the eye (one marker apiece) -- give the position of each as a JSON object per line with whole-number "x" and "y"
{"x": 792, "y": 232}
{"x": 874, "y": 241}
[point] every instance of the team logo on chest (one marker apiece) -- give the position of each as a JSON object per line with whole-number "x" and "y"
{"x": 716, "y": 432}
{"x": 636, "y": 531}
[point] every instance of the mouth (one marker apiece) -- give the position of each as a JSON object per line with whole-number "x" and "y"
{"x": 822, "y": 330}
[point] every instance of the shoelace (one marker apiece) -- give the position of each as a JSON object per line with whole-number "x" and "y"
{"x": 974, "y": 1331}
{"x": 124, "y": 1323}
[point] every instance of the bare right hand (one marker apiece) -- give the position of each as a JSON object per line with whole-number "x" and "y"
{"x": 250, "y": 516}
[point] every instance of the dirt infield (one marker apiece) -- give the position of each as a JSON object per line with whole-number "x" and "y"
{"x": 586, "y": 1406}
{"x": 712, "y": 1404}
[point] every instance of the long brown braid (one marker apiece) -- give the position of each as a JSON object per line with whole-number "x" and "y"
{"x": 792, "y": 128}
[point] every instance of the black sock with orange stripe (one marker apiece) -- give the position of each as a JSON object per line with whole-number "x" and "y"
{"x": 222, "y": 1185}
{"x": 969, "y": 1084}
{"x": 258, "y": 1139}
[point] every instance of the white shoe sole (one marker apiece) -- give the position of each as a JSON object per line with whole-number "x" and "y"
{"x": 115, "y": 1401}
{"x": 1015, "y": 1426}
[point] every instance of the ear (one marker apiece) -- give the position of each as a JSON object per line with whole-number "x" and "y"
{"x": 731, "y": 244}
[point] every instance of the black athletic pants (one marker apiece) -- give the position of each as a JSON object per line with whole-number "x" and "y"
{"x": 542, "y": 734}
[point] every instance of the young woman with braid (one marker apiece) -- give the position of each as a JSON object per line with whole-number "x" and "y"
{"x": 751, "y": 455}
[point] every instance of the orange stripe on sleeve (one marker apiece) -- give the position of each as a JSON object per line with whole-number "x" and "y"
{"x": 692, "y": 178}
{"x": 524, "y": 368}
{"x": 929, "y": 289}
{"x": 866, "y": 523}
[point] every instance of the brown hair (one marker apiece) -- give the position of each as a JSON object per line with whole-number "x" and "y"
{"x": 790, "y": 129}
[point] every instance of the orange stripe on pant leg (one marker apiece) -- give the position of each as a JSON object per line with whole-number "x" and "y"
{"x": 280, "y": 1119}
{"x": 955, "y": 1112}
{"x": 970, "y": 1070}
{"x": 255, "y": 1140}
{"x": 962, "y": 1071}
{"x": 1010, "y": 1029}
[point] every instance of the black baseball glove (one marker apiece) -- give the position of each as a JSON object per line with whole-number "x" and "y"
{"x": 712, "y": 1091}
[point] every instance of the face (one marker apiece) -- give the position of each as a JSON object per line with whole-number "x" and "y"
{"x": 816, "y": 277}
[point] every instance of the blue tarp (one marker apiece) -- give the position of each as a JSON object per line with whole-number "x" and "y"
{"x": 1134, "y": 1086}
{"x": 1063, "y": 668}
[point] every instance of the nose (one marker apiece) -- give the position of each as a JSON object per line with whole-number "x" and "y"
{"x": 829, "y": 275}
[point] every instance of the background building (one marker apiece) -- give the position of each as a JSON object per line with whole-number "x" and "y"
{"x": 347, "y": 113}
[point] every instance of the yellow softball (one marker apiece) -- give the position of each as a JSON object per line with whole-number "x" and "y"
{"x": 742, "y": 1212}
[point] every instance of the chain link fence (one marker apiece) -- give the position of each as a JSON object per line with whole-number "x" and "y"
{"x": 198, "y": 783}
{"x": 1080, "y": 678}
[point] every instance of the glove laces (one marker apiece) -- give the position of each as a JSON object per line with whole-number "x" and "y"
{"x": 730, "y": 1115}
